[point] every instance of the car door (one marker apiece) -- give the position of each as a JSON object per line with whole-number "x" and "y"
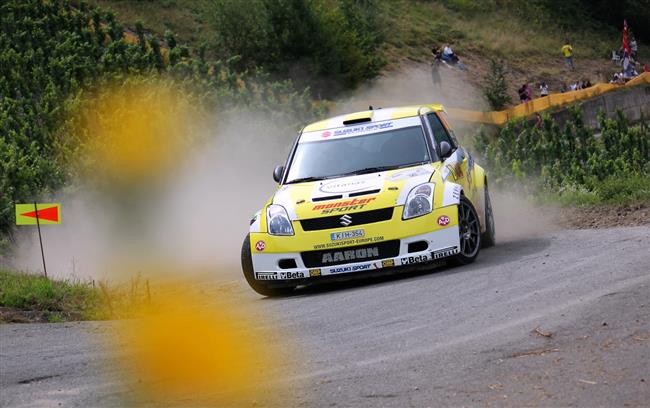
{"x": 459, "y": 165}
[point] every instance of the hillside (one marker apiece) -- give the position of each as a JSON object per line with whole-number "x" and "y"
{"x": 526, "y": 37}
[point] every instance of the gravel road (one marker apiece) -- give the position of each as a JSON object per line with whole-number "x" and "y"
{"x": 453, "y": 337}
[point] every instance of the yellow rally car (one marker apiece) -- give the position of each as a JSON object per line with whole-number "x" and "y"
{"x": 367, "y": 193}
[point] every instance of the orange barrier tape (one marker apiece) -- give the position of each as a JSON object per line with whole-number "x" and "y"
{"x": 542, "y": 104}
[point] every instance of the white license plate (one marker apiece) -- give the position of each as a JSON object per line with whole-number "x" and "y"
{"x": 337, "y": 236}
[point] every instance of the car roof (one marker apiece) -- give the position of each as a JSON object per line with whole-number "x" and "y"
{"x": 375, "y": 115}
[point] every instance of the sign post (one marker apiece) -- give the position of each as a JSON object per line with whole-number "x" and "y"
{"x": 40, "y": 239}
{"x": 47, "y": 214}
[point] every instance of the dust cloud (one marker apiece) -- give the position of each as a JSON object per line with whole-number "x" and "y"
{"x": 411, "y": 85}
{"x": 517, "y": 217}
{"x": 194, "y": 221}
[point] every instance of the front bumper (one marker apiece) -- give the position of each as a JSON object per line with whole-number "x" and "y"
{"x": 420, "y": 240}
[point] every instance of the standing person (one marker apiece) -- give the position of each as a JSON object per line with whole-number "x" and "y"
{"x": 634, "y": 48}
{"x": 523, "y": 95}
{"x": 567, "y": 51}
{"x": 529, "y": 93}
{"x": 543, "y": 89}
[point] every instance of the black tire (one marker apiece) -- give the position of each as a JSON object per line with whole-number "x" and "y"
{"x": 469, "y": 228}
{"x": 258, "y": 286}
{"x": 488, "y": 238}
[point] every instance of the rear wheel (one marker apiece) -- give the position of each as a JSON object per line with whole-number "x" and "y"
{"x": 488, "y": 237}
{"x": 469, "y": 229}
{"x": 247, "y": 267}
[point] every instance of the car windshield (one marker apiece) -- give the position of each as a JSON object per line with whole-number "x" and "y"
{"x": 317, "y": 160}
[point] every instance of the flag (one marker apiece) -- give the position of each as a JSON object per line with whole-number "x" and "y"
{"x": 47, "y": 214}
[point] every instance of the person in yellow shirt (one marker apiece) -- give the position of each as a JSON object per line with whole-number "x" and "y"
{"x": 567, "y": 51}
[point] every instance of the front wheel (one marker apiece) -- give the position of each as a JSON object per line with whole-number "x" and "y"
{"x": 469, "y": 229}
{"x": 249, "y": 274}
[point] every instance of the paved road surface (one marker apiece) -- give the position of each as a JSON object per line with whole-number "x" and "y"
{"x": 454, "y": 337}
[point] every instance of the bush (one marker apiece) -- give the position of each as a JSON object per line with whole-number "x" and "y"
{"x": 338, "y": 38}
{"x": 496, "y": 88}
{"x": 613, "y": 166}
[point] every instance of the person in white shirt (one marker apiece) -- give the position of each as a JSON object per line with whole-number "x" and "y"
{"x": 543, "y": 89}
{"x": 447, "y": 53}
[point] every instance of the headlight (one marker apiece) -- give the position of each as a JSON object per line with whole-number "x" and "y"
{"x": 419, "y": 201}
{"x": 278, "y": 220}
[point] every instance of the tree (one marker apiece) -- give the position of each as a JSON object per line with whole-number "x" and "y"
{"x": 496, "y": 88}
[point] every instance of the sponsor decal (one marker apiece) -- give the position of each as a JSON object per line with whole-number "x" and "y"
{"x": 363, "y": 129}
{"x": 350, "y": 255}
{"x": 344, "y": 186}
{"x": 405, "y": 174}
{"x": 355, "y": 268}
{"x": 314, "y": 272}
{"x": 445, "y": 252}
{"x": 338, "y": 236}
{"x": 443, "y": 220}
{"x": 351, "y": 242}
{"x": 326, "y": 134}
{"x": 292, "y": 275}
{"x": 260, "y": 245}
{"x": 388, "y": 263}
{"x": 414, "y": 259}
{"x": 343, "y": 206}
{"x": 266, "y": 276}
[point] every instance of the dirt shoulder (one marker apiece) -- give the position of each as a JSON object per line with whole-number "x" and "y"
{"x": 606, "y": 216}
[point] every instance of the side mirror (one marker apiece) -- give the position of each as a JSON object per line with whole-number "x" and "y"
{"x": 445, "y": 150}
{"x": 278, "y": 172}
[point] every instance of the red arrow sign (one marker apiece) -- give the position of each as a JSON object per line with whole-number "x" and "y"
{"x": 49, "y": 214}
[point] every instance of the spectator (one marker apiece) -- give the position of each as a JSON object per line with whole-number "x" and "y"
{"x": 448, "y": 54}
{"x": 567, "y": 51}
{"x": 529, "y": 92}
{"x": 629, "y": 72}
{"x": 586, "y": 84}
{"x": 564, "y": 88}
{"x": 645, "y": 68}
{"x": 543, "y": 89}
{"x": 634, "y": 48}
{"x": 523, "y": 93}
{"x": 574, "y": 86}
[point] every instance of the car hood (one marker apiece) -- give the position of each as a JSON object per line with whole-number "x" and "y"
{"x": 346, "y": 195}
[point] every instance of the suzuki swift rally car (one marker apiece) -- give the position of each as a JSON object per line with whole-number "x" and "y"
{"x": 368, "y": 193}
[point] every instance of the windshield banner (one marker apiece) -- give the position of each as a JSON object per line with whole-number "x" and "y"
{"x": 359, "y": 129}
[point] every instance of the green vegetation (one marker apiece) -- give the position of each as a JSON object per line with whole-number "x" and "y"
{"x": 496, "y": 88}
{"x": 525, "y": 35}
{"x": 573, "y": 165}
{"x": 54, "y": 55}
{"x": 59, "y": 300}
{"x": 335, "y": 39}
{"x": 36, "y": 297}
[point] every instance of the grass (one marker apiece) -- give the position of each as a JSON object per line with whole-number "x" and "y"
{"x": 58, "y": 299}
{"x": 70, "y": 299}
{"x": 611, "y": 191}
{"x": 182, "y": 17}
